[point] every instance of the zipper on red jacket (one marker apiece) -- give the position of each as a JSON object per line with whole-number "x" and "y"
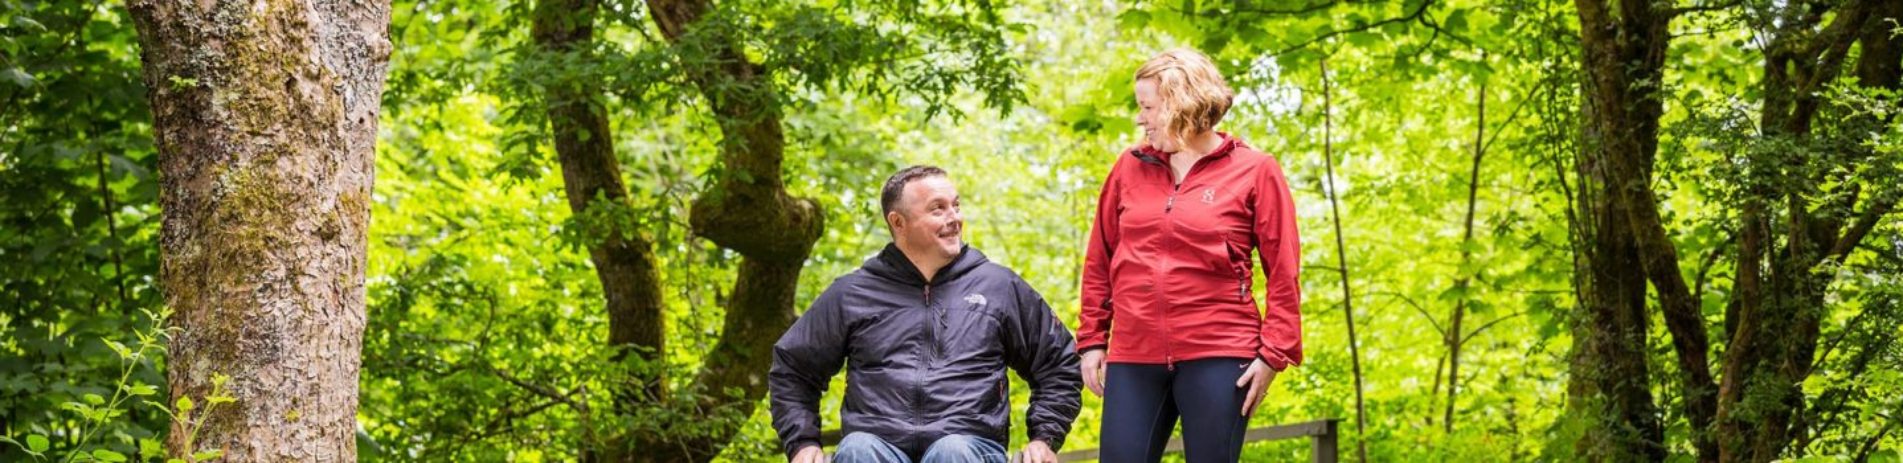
{"x": 1169, "y": 325}
{"x": 1169, "y": 358}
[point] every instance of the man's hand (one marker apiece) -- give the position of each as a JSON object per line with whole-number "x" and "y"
{"x": 1039, "y": 452}
{"x": 1256, "y": 379}
{"x": 809, "y": 454}
{"x": 1092, "y": 362}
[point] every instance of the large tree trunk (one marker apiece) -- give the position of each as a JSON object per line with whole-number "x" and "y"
{"x": 265, "y": 116}
{"x": 1611, "y": 380}
{"x": 1773, "y": 322}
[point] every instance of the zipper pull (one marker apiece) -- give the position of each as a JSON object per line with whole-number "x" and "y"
{"x": 1167, "y": 205}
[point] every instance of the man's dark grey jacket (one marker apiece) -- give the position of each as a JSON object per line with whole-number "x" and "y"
{"x": 925, "y": 361}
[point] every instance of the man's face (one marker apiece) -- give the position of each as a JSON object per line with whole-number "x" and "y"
{"x": 927, "y": 221}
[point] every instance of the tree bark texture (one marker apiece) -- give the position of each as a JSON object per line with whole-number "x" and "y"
{"x": 265, "y": 119}
{"x": 1611, "y": 376}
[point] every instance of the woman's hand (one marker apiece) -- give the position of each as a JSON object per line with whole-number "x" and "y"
{"x": 1092, "y": 362}
{"x": 1256, "y": 378}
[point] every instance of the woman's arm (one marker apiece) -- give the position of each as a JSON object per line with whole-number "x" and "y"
{"x": 1093, "y": 331}
{"x": 1280, "y": 248}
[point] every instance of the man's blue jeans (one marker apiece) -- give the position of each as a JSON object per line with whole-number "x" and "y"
{"x": 862, "y": 447}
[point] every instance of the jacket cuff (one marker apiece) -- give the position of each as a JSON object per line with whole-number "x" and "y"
{"x": 1276, "y": 360}
{"x": 1053, "y": 439}
{"x": 1082, "y": 348}
{"x": 794, "y": 447}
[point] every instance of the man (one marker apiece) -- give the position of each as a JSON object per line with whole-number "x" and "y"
{"x": 927, "y": 328}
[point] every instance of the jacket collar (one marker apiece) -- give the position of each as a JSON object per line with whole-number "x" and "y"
{"x": 1149, "y": 154}
{"x": 892, "y": 264}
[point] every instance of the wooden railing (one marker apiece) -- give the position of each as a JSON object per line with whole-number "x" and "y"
{"x": 1322, "y": 436}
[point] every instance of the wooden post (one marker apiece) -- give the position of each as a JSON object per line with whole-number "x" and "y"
{"x": 1324, "y": 446}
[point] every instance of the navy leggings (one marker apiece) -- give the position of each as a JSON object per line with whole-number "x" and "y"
{"x": 1142, "y": 403}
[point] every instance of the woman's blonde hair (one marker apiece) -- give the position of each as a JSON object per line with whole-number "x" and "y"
{"x": 1193, "y": 95}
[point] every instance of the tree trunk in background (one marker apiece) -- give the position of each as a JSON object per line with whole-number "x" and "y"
{"x": 1790, "y": 227}
{"x": 1611, "y": 379}
{"x": 749, "y": 211}
{"x": 591, "y": 177}
{"x": 1788, "y": 238}
{"x": 265, "y": 118}
{"x": 746, "y": 210}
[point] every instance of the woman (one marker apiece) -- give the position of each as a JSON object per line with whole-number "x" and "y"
{"x": 1168, "y": 263}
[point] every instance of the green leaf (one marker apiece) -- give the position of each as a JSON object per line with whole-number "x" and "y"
{"x": 184, "y": 404}
{"x": 95, "y": 399}
{"x": 37, "y": 443}
{"x": 108, "y": 455}
{"x": 1456, "y": 21}
{"x": 208, "y": 455}
{"x": 1133, "y": 19}
{"x": 18, "y": 77}
{"x": 27, "y": 23}
{"x": 150, "y": 449}
{"x": 124, "y": 352}
{"x": 141, "y": 389}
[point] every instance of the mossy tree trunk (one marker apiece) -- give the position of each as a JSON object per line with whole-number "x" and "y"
{"x": 1789, "y": 229}
{"x": 1795, "y": 228}
{"x": 1623, "y": 44}
{"x": 591, "y": 178}
{"x": 265, "y": 117}
{"x": 747, "y": 210}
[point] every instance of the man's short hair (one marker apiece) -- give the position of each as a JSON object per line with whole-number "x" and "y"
{"x": 895, "y": 185}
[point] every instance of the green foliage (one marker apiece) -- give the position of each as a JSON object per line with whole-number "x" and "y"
{"x": 78, "y": 220}
{"x": 95, "y": 414}
{"x": 486, "y": 339}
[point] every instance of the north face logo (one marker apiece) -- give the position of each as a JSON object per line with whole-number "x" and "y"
{"x": 978, "y": 299}
{"x": 1209, "y": 196}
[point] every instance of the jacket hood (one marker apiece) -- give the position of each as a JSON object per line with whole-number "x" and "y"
{"x": 892, "y": 264}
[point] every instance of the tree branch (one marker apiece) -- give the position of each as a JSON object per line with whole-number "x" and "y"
{"x": 1418, "y": 12}
{"x": 1483, "y": 327}
{"x": 1417, "y": 308}
{"x": 1865, "y": 222}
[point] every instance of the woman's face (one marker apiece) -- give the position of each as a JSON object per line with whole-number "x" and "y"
{"x": 1149, "y": 117}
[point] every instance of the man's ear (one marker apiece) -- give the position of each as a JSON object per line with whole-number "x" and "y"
{"x": 894, "y": 220}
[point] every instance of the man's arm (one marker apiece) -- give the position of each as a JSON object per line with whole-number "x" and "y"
{"x": 1042, "y": 351}
{"x": 804, "y": 362}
